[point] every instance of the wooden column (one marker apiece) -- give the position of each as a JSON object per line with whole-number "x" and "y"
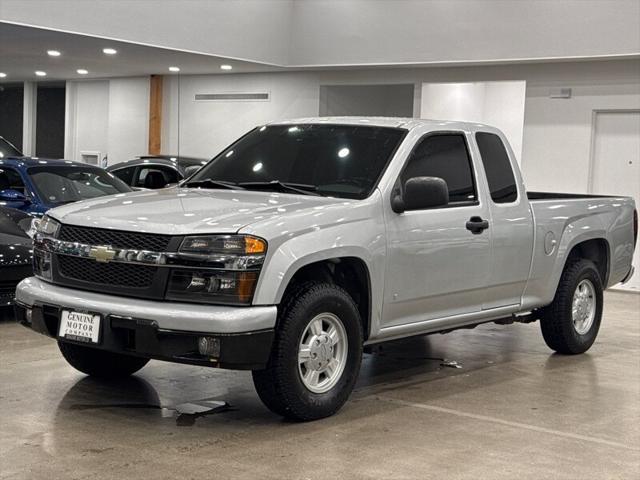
{"x": 155, "y": 115}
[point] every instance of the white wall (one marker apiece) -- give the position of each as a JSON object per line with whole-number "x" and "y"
{"x": 205, "y": 127}
{"x": 557, "y": 133}
{"x": 500, "y": 104}
{"x": 128, "y": 131}
{"x": 87, "y": 118}
{"x": 108, "y": 116}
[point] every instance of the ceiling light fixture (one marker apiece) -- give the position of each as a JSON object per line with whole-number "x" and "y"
{"x": 3, "y": 75}
{"x": 226, "y": 67}
{"x": 174, "y": 69}
{"x": 109, "y": 51}
{"x": 53, "y": 53}
{"x": 82, "y": 71}
{"x": 40, "y": 73}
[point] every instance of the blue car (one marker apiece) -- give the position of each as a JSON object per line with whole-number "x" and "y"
{"x": 34, "y": 185}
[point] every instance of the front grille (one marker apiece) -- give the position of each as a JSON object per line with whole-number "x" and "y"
{"x": 112, "y": 274}
{"x": 114, "y": 238}
{"x": 8, "y": 287}
{"x": 7, "y": 291}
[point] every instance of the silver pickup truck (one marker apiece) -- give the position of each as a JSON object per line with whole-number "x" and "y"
{"x": 306, "y": 241}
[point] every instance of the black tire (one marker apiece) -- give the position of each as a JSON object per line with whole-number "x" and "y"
{"x": 100, "y": 363}
{"x": 556, "y": 321}
{"x": 279, "y": 386}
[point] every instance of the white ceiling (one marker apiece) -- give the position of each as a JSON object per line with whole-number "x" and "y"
{"x": 23, "y": 50}
{"x": 353, "y": 33}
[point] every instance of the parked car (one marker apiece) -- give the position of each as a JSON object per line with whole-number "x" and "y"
{"x": 8, "y": 149}
{"x": 156, "y": 171}
{"x": 34, "y": 185}
{"x": 304, "y": 242}
{"x": 16, "y": 251}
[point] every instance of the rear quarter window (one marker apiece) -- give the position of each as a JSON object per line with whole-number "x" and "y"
{"x": 502, "y": 183}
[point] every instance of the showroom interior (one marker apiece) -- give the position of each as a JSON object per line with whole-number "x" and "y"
{"x": 142, "y": 94}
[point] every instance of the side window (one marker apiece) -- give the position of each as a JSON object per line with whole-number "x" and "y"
{"x": 497, "y": 166}
{"x": 445, "y": 156}
{"x": 11, "y": 180}
{"x": 125, "y": 174}
{"x": 160, "y": 176}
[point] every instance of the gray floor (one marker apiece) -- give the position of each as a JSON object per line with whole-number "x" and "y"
{"x": 513, "y": 410}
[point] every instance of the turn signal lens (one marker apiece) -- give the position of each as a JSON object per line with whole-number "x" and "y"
{"x": 254, "y": 245}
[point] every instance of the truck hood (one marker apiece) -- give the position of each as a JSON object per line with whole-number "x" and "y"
{"x": 186, "y": 211}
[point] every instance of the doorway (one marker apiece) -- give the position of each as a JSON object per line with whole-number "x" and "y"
{"x": 50, "y": 120}
{"x": 367, "y": 100}
{"x": 11, "y": 112}
{"x": 616, "y": 163}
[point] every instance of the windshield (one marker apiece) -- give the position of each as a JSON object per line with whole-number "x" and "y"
{"x": 333, "y": 160}
{"x": 8, "y": 150}
{"x": 63, "y": 184}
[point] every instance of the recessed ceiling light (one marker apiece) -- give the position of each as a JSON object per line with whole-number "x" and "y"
{"x": 109, "y": 51}
{"x": 226, "y": 67}
{"x": 53, "y": 53}
{"x": 40, "y": 73}
{"x": 3, "y": 75}
{"x": 174, "y": 69}
{"x": 82, "y": 71}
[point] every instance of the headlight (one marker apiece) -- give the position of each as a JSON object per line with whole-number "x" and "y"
{"x": 48, "y": 226}
{"x": 224, "y": 244}
{"x": 233, "y": 262}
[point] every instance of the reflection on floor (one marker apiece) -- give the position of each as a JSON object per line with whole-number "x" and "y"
{"x": 512, "y": 410}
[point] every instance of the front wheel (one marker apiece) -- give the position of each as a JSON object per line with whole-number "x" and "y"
{"x": 571, "y": 322}
{"x": 316, "y": 355}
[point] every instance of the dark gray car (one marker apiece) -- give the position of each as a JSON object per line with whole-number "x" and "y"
{"x": 156, "y": 171}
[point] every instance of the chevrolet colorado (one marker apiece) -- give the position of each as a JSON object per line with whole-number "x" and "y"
{"x": 305, "y": 241}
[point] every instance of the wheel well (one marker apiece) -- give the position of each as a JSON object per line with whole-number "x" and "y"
{"x": 350, "y": 273}
{"x": 596, "y": 250}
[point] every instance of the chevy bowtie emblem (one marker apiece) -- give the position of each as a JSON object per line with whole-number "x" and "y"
{"x": 102, "y": 254}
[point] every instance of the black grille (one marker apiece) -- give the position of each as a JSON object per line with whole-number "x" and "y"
{"x": 7, "y": 289}
{"x": 114, "y": 238}
{"x": 113, "y": 274}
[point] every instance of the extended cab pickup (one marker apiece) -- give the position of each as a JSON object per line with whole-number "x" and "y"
{"x": 307, "y": 240}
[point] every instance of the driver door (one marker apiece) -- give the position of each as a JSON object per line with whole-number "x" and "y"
{"x": 436, "y": 267}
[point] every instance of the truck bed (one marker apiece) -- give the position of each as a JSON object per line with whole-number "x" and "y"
{"x": 563, "y": 220}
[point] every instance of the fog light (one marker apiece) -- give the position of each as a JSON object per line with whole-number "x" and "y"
{"x": 209, "y": 346}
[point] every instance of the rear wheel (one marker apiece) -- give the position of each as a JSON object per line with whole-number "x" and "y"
{"x": 571, "y": 322}
{"x": 100, "y": 363}
{"x": 316, "y": 355}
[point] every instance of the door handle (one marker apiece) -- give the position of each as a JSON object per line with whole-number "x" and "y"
{"x": 477, "y": 225}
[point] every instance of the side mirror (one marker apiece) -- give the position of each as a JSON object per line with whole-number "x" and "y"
{"x": 10, "y": 195}
{"x": 421, "y": 193}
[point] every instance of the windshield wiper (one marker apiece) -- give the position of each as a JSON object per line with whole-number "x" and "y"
{"x": 210, "y": 183}
{"x": 301, "y": 188}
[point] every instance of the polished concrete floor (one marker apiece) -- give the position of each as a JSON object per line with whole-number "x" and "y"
{"x": 513, "y": 410}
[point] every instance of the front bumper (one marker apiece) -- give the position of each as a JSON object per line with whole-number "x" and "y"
{"x": 160, "y": 330}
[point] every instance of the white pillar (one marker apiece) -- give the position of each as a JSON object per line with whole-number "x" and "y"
{"x": 29, "y": 112}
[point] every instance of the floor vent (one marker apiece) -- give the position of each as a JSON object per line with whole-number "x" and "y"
{"x": 233, "y": 97}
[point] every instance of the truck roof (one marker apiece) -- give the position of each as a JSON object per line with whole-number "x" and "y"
{"x": 393, "y": 122}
